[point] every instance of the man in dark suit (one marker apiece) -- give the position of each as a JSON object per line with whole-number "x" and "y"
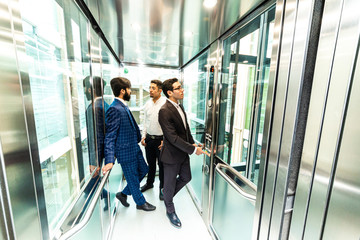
{"x": 121, "y": 141}
{"x": 177, "y": 145}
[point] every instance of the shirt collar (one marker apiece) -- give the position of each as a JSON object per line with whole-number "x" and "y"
{"x": 122, "y": 100}
{"x": 174, "y": 103}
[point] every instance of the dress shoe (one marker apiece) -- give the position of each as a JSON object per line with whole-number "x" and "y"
{"x": 122, "y": 198}
{"x": 146, "y": 207}
{"x": 146, "y": 187}
{"x": 174, "y": 220}
{"x": 161, "y": 195}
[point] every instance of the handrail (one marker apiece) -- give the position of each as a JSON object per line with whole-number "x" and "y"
{"x": 89, "y": 212}
{"x": 236, "y": 186}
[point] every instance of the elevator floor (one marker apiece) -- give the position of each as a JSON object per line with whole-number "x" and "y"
{"x": 133, "y": 224}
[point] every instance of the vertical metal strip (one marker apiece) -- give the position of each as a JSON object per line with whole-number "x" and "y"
{"x": 5, "y": 199}
{"x": 313, "y": 127}
{"x": 259, "y": 229}
{"x": 322, "y": 119}
{"x": 279, "y": 113}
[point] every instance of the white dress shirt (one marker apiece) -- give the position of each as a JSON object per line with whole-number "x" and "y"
{"x": 177, "y": 106}
{"x": 151, "y": 117}
{"x": 122, "y": 100}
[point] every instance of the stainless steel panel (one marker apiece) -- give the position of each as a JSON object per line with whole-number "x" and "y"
{"x": 343, "y": 217}
{"x": 161, "y": 32}
{"x": 6, "y": 221}
{"x": 106, "y": 15}
{"x": 268, "y": 120}
{"x": 212, "y": 95}
{"x": 326, "y": 48}
{"x": 303, "y": 16}
{"x": 278, "y": 116}
{"x": 13, "y": 129}
{"x": 346, "y": 47}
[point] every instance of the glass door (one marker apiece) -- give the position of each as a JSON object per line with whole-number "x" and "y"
{"x": 195, "y": 106}
{"x": 241, "y": 116}
{"x": 243, "y": 93}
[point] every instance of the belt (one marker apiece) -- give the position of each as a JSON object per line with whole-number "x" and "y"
{"x": 154, "y": 137}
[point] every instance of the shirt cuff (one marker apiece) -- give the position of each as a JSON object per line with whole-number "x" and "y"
{"x": 194, "y": 151}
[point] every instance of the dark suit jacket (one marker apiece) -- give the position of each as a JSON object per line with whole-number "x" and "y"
{"x": 100, "y": 111}
{"x": 178, "y": 142}
{"x": 122, "y": 134}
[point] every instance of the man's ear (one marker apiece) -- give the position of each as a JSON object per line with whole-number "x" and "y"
{"x": 169, "y": 93}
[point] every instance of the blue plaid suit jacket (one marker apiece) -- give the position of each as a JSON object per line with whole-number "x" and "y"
{"x": 122, "y": 134}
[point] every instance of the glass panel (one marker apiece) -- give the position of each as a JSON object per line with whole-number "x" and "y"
{"x": 226, "y": 94}
{"x": 195, "y": 103}
{"x": 244, "y": 86}
{"x": 109, "y": 69}
{"x": 92, "y": 229}
{"x": 260, "y": 105}
{"x": 232, "y": 214}
{"x": 56, "y": 45}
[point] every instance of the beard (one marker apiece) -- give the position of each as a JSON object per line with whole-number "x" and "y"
{"x": 126, "y": 96}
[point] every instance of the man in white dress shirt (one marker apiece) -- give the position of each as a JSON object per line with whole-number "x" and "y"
{"x": 152, "y": 135}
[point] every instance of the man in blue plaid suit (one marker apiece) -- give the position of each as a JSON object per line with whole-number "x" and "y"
{"x": 121, "y": 141}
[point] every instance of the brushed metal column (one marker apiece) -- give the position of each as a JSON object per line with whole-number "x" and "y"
{"x": 343, "y": 214}
{"x": 13, "y": 129}
{"x": 341, "y": 69}
{"x": 326, "y": 48}
{"x": 287, "y": 11}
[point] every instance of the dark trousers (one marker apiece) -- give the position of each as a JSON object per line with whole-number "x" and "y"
{"x": 176, "y": 176}
{"x": 152, "y": 153}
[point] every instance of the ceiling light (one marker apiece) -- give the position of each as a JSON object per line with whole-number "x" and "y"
{"x": 210, "y": 3}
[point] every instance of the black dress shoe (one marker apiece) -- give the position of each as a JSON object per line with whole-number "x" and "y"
{"x": 122, "y": 198}
{"x": 161, "y": 195}
{"x": 146, "y": 207}
{"x": 174, "y": 220}
{"x": 146, "y": 187}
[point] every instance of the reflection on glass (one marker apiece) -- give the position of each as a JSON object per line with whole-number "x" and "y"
{"x": 195, "y": 105}
{"x": 244, "y": 88}
{"x": 58, "y": 64}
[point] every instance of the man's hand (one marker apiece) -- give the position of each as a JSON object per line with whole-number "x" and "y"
{"x": 94, "y": 169}
{"x": 199, "y": 151}
{"x": 160, "y": 146}
{"x": 143, "y": 142}
{"x": 107, "y": 167}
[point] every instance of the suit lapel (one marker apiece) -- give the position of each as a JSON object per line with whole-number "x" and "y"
{"x": 176, "y": 113}
{"x": 131, "y": 118}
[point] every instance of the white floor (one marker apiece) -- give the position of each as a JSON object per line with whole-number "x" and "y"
{"x": 133, "y": 224}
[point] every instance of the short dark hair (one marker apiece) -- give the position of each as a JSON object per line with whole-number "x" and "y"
{"x": 168, "y": 85}
{"x": 119, "y": 83}
{"x": 158, "y": 83}
{"x": 98, "y": 85}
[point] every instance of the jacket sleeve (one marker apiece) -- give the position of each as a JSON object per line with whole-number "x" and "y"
{"x": 112, "y": 122}
{"x": 169, "y": 132}
{"x": 143, "y": 133}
